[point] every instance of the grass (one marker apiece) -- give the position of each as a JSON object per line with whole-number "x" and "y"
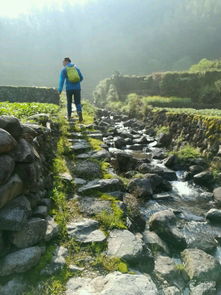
{"x": 111, "y": 263}
{"x": 162, "y": 129}
{"x": 187, "y": 152}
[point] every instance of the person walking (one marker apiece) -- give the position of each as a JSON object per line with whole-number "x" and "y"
{"x": 73, "y": 77}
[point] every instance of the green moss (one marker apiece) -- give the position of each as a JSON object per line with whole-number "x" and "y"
{"x": 114, "y": 219}
{"x": 111, "y": 263}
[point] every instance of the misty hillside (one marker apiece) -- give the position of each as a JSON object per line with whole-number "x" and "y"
{"x": 132, "y": 37}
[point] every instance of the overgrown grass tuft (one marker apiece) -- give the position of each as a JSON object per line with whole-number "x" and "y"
{"x": 187, "y": 152}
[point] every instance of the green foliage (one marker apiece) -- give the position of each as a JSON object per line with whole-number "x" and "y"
{"x": 206, "y": 65}
{"x": 24, "y": 110}
{"x": 187, "y": 152}
{"x": 114, "y": 219}
{"x": 160, "y": 101}
{"x": 213, "y": 113}
{"x": 111, "y": 263}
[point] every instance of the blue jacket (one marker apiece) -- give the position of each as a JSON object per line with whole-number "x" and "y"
{"x": 69, "y": 85}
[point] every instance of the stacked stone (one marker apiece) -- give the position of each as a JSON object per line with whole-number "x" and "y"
{"x": 24, "y": 204}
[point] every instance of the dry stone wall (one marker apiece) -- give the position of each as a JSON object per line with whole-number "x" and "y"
{"x": 29, "y": 94}
{"x": 25, "y": 156}
{"x": 180, "y": 84}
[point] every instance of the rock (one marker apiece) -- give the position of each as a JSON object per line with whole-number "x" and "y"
{"x": 140, "y": 187}
{"x": 166, "y": 269}
{"x": 164, "y": 140}
{"x": 124, "y": 162}
{"x": 217, "y": 196}
{"x": 28, "y": 132}
{"x": 58, "y": 261}
{"x": 30, "y": 174}
{"x": 172, "y": 291}
{"x": 204, "y": 178}
{"x": 80, "y": 181}
{"x": 85, "y": 231}
{"x": 201, "y": 266}
{"x": 20, "y": 261}
{"x": 88, "y": 170}
{"x": 15, "y": 286}
{"x": 40, "y": 211}
{"x": 103, "y": 185}
{"x": 80, "y": 147}
{"x": 11, "y": 125}
{"x": 24, "y": 152}
{"x": 158, "y": 183}
{"x": 75, "y": 268}
{"x": 32, "y": 233}
{"x": 119, "y": 142}
{"x": 214, "y": 215}
{"x": 92, "y": 206}
{"x": 164, "y": 172}
{"x": 135, "y": 221}
{"x": 129, "y": 247}
{"x": 7, "y": 165}
{"x": 164, "y": 224}
{"x": 195, "y": 169}
{"x": 155, "y": 243}
{"x": 113, "y": 284}
{"x": 207, "y": 288}
{"x": 7, "y": 142}
{"x": 52, "y": 229}
{"x": 10, "y": 190}
{"x": 14, "y": 215}
{"x": 101, "y": 155}
{"x": 171, "y": 161}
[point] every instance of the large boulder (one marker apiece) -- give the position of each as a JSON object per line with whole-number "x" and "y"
{"x": 7, "y": 165}
{"x": 123, "y": 161}
{"x": 7, "y": 142}
{"x": 166, "y": 269}
{"x": 155, "y": 243}
{"x": 129, "y": 247}
{"x": 11, "y": 125}
{"x": 10, "y": 190}
{"x": 14, "y": 215}
{"x": 201, "y": 266}
{"x": 204, "y": 178}
{"x": 113, "y": 284}
{"x": 85, "y": 231}
{"x": 20, "y": 261}
{"x": 140, "y": 187}
{"x": 88, "y": 170}
{"x": 32, "y": 233}
{"x": 164, "y": 224}
{"x": 214, "y": 215}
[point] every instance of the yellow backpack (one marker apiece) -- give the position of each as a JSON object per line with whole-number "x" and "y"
{"x": 72, "y": 74}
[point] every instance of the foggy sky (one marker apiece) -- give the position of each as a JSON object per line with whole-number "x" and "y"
{"x": 102, "y": 36}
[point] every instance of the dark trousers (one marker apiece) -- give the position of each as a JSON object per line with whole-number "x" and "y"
{"x": 77, "y": 100}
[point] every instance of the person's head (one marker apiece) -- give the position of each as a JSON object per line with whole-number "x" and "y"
{"x": 66, "y": 61}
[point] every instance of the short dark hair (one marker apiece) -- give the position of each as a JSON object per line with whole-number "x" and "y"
{"x": 67, "y": 59}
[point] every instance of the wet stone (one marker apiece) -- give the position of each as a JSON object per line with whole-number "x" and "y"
{"x": 155, "y": 243}
{"x": 214, "y": 215}
{"x": 217, "y": 196}
{"x": 103, "y": 185}
{"x": 201, "y": 266}
{"x": 79, "y": 181}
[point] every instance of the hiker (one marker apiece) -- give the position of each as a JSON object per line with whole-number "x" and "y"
{"x": 73, "y": 77}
